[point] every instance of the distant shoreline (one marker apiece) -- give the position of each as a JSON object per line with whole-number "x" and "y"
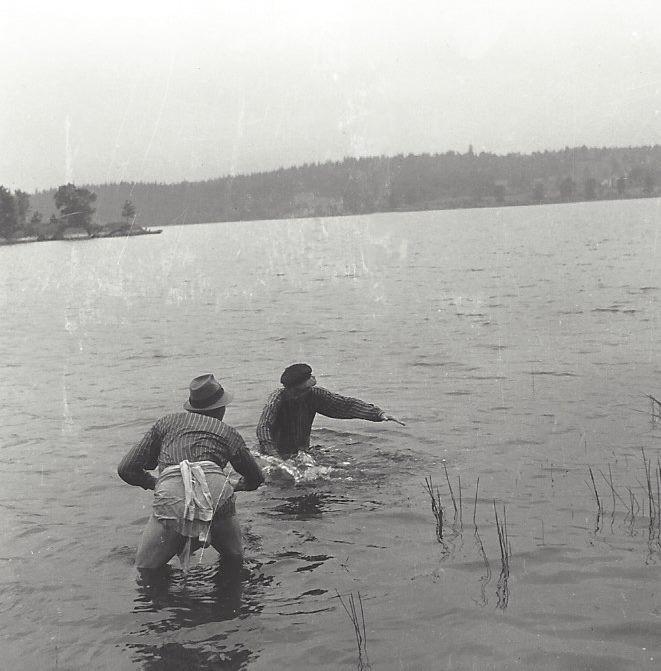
{"x": 402, "y": 183}
{"x": 76, "y": 236}
{"x": 80, "y": 236}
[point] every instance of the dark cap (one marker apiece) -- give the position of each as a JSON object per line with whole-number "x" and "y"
{"x": 296, "y": 374}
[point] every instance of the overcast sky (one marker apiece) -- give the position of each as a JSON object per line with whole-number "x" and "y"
{"x": 171, "y": 91}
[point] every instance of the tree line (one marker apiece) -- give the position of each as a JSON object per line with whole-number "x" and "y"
{"x": 74, "y": 211}
{"x": 357, "y": 186}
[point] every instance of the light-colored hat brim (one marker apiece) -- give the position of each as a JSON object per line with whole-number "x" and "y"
{"x": 224, "y": 400}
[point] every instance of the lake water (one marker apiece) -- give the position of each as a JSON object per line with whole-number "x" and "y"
{"x": 518, "y": 345}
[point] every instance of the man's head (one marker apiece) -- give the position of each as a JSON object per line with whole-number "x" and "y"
{"x": 298, "y": 377}
{"x": 207, "y": 396}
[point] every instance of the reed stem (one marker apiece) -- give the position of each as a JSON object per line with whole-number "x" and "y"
{"x": 359, "y": 628}
{"x": 447, "y": 477}
{"x": 461, "y": 509}
{"x": 594, "y": 486}
{"x": 436, "y": 507}
{"x": 477, "y": 487}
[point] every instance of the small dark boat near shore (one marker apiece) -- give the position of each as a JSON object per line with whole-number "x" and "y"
{"x": 126, "y": 231}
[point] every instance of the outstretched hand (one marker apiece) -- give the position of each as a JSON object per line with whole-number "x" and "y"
{"x": 389, "y": 418}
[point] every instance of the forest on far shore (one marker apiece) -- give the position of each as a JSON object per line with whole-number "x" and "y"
{"x": 374, "y": 184}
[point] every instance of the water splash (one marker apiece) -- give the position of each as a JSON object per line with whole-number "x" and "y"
{"x": 300, "y": 469}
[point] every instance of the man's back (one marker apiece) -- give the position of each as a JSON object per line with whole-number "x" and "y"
{"x": 286, "y": 421}
{"x": 191, "y": 436}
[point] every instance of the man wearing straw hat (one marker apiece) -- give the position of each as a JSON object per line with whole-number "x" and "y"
{"x": 286, "y": 422}
{"x": 193, "y": 498}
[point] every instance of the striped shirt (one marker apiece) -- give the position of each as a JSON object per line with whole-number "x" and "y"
{"x": 286, "y": 422}
{"x": 192, "y": 436}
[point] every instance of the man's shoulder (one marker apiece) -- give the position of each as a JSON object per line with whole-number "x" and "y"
{"x": 321, "y": 395}
{"x": 166, "y": 420}
{"x": 212, "y": 425}
{"x": 275, "y": 396}
{"x": 209, "y": 425}
{"x": 192, "y": 420}
{"x": 178, "y": 414}
{"x": 224, "y": 428}
{"x": 172, "y": 418}
{"x": 228, "y": 434}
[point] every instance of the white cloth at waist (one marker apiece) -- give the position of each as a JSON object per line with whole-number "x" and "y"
{"x": 198, "y": 503}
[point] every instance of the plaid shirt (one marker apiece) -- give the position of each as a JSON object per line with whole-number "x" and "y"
{"x": 286, "y": 421}
{"x": 192, "y": 436}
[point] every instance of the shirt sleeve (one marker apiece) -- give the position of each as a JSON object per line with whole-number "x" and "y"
{"x": 266, "y": 423}
{"x": 243, "y": 462}
{"x": 344, "y": 407}
{"x": 142, "y": 458}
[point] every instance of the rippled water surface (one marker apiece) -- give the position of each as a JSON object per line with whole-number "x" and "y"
{"x": 518, "y": 345}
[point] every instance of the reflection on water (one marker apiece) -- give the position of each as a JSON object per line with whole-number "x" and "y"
{"x": 310, "y": 505}
{"x": 502, "y": 587}
{"x": 485, "y": 579}
{"x": 209, "y": 655}
{"x": 206, "y": 595}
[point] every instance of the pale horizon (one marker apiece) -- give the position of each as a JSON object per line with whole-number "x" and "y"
{"x": 154, "y": 92}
